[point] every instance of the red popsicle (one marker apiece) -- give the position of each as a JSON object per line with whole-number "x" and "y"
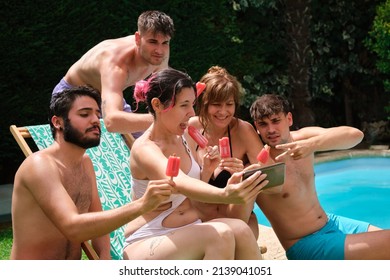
{"x": 224, "y": 147}
{"x": 173, "y": 166}
{"x": 264, "y": 154}
{"x": 197, "y": 136}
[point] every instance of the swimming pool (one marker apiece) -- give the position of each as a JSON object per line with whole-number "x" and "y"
{"x": 357, "y": 188}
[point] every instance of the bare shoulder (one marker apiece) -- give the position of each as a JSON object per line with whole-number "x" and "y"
{"x": 87, "y": 161}
{"x": 36, "y": 168}
{"x": 145, "y": 156}
{"x": 143, "y": 148}
{"x": 245, "y": 130}
{"x": 110, "y": 51}
{"x": 109, "y": 44}
{"x": 43, "y": 157}
{"x": 245, "y": 125}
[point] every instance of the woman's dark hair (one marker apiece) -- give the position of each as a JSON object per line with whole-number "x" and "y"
{"x": 163, "y": 85}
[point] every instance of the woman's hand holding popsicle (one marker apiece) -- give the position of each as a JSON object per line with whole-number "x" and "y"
{"x": 229, "y": 163}
{"x": 210, "y": 162}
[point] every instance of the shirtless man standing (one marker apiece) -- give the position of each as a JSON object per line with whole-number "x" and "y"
{"x": 304, "y": 229}
{"x": 116, "y": 64}
{"x": 55, "y": 202}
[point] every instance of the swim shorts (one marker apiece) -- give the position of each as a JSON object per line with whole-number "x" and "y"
{"x": 61, "y": 86}
{"x": 327, "y": 243}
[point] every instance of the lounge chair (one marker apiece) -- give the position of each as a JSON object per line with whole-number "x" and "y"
{"x": 111, "y": 164}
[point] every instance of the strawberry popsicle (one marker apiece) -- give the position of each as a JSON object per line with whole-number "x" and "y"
{"x": 264, "y": 154}
{"x": 173, "y": 166}
{"x": 224, "y": 147}
{"x": 197, "y": 136}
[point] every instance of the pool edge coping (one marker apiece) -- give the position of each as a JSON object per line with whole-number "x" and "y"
{"x": 351, "y": 153}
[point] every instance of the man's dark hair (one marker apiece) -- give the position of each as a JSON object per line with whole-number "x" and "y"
{"x": 268, "y": 105}
{"x": 157, "y": 22}
{"x": 61, "y": 103}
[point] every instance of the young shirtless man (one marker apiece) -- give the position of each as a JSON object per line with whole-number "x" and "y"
{"x": 55, "y": 202}
{"x": 303, "y": 227}
{"x": 116, "y": 64}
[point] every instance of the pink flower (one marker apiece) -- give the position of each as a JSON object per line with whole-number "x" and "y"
{"x": 200, "y": 88}
{"x": 140, "y": 90}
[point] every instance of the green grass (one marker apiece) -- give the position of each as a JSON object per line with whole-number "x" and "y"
{"x": 5, "y": 243}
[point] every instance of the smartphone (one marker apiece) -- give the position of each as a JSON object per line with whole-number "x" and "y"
{"x": 275, "y": 174}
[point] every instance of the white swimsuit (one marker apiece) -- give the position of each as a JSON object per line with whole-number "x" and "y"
{"x": 155, "y": 227}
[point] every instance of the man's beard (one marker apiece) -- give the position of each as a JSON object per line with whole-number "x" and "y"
{"x": 73, "y": 136}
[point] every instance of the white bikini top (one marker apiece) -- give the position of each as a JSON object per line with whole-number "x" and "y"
{"x": 139, "y": 186}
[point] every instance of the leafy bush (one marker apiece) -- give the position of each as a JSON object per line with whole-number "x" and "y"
{"x": 40, "y": 40}
{"x": 379, "y": 42}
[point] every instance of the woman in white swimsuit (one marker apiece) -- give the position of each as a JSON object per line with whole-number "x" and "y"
{"x": 174, "y": 230}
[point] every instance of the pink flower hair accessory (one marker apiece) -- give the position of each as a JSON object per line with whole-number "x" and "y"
{"x": 140, "y": 90}
{"x": 199, "y": 88}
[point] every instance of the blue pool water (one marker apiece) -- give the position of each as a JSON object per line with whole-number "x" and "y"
{"x": 357, "y": 188}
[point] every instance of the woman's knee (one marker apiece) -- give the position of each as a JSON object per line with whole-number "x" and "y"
{"x": 237, "y": 225}
{"x": 221, "y": 230}
{"x": 220, "y": 241}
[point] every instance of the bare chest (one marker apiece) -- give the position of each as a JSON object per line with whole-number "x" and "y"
{"x": 78, "y": 185}
{"x": 298, "y": 184}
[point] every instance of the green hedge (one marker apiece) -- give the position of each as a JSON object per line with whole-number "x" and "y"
{"x": 40, "y": 40}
